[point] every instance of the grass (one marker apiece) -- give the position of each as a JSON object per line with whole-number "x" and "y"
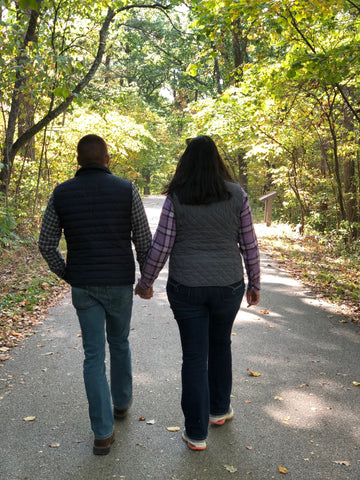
{"x": 329, "y": 269}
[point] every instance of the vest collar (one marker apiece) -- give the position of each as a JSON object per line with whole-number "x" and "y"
{"x": 92, "y": 169}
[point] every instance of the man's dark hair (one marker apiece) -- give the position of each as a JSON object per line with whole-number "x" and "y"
{"x": 200, "y": 174}
{"x": 92, "y": 150}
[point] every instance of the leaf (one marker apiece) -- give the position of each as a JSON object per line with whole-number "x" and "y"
{"x": 141, "y": 419}
{"x": 4, "y": 349}
{"x": 230, "y": 468}
{"x": 249, "y": 448}
{"x": 29, "y": 419}
{"x": 357, "y": 384}
{"x": 252, "y": 373}
{"x": 24, "y": 4}
{"x": 173, "y": 429}
{"x": 54, "y": 445}
{"x": 283, "y": 470}
{"x": 150, "y": 422}
{"x": 280, "y": 399}
{"x": 265, "y": 312}
{"x": 343, "y": 462}
{"x": 3, "y": 358}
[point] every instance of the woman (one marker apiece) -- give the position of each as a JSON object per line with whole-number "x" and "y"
{"x": 206, "y": 227}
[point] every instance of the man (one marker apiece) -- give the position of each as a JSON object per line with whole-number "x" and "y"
{"x": 100, "y": 215}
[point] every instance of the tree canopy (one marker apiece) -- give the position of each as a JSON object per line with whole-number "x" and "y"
{"x": 276, "y": 83}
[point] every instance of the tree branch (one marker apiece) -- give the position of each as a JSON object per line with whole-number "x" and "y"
{"x": 353, "y": 111}
{"x": 295, "y": 25}
{"x": 354, "y": 5}
{"x": 79, "y": 87}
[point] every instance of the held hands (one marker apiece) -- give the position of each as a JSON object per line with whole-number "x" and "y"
{"x": 145, "y": 293}
{"x": 252, "y": 297}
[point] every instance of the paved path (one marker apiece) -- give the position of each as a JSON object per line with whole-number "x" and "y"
{"x": 302, "y": 413}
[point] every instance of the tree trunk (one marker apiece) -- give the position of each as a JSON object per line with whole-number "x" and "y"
{"x": 242, "y": 175}
{"x": 239, "y": 44}
{"x": 349, "y": 170}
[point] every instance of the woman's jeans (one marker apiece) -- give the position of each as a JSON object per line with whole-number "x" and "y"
{"x": 100, "y": 308}
{"x": 205, "y": 316}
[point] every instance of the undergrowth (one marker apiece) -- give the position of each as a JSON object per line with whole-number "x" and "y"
{"x": 330, "y": 268}
{"x": 27, "y": 287}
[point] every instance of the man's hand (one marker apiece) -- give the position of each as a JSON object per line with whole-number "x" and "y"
{"x": 145, "y": 293}
{"x": 252, "y": 297}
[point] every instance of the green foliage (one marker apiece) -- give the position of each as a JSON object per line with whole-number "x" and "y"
{"x": 274, "y": 83}
{"x": 8, "y": 225}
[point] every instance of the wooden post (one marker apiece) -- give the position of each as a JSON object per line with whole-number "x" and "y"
{"x": 268, "y": 199}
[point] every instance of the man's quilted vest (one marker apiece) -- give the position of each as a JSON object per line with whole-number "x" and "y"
{"x": 94, "y": 208}
{"x": 206, "y": 251}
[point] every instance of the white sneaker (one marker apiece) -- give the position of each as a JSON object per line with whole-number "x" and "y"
{"x": 194, "y": 444}
{"x": 221, "y": 419}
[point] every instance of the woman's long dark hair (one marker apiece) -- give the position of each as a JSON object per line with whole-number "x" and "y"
{"x": 200, "y": 174}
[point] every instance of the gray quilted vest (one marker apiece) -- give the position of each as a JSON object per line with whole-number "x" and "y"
{"x": 206, "y": 251}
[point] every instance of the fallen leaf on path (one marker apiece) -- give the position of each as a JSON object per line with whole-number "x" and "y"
{"x": 247, "y": 401}
{"x": 249, "y": 448}
{"x": 29, "y": 419}
{"x": 16, "y": 334}
{"x": 173, "y": 429}
{"x": 282, "y": 470}
{"x": 54, "y": 445}
{"x": 280, "y": 399}
{"x": 252, "y": 373}
{"x": 79, "y": 335}
{"x": 343, "y": 462}
{"x": 4, "y": 349}
{"x": 357, "y": 384}
{"x": 265, "y": 312}
{"x": 150, "y": 422}
{"x": 233, "y": 333}
{"x": 230, "y": 468}
{"x": 303, "y": 385}
{"x": 4, "y": 357}
{"x": 141, "y": 419}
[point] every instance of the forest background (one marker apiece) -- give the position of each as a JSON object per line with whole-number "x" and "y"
{"x": 275, "y": 83}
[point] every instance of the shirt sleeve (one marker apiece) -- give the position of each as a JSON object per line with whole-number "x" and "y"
{"x": 249, "y": 245}
{"x": 49, "y": 239}
{"x": 161, "y": 247}
{"x": 141, "y": 234}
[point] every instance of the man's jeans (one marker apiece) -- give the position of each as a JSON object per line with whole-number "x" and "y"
{"x": 99, "y": 308}
{"x": 205, "y": 316}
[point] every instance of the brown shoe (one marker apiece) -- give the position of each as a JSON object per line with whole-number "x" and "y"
{"x": 119, "y": 414}
{"x": 102, "y": 447}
